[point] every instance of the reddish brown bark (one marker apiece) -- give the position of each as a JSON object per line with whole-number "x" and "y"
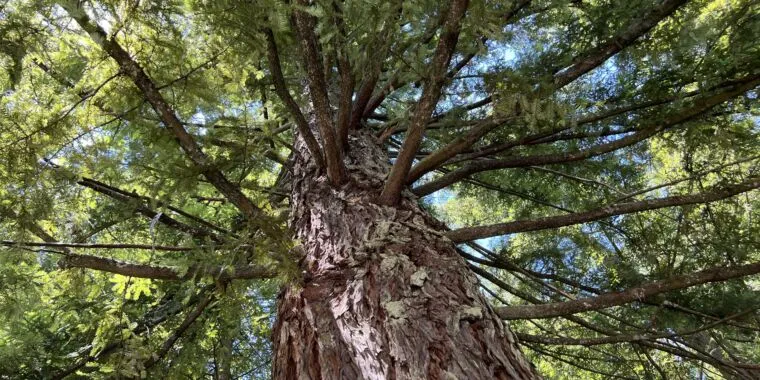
{"x": 424, "y": 108}
{"x": 385, "y": 295}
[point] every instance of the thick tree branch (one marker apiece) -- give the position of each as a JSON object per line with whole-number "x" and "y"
{"x": 638, "y": 293}
{"x": 151, "y": 92}
{"x": 636, "y": 29}
{"x": 700, "y": 106}
{"x": 281, "y": 88}
{"x": 435, "y": 159}
{"x": 305, "y": 25}
{"x": 662, "y": 346}
{"x": 346, "y": 79}
{"x": 582, "y": 65}
{"x": 431, "y": 93}
{"x": 723, "y": 192}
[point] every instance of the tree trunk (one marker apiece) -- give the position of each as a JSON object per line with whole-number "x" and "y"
{"x": 384, "y": 294}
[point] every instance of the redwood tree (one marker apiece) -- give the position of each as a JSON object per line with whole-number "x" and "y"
{"x": 341, "y": 189}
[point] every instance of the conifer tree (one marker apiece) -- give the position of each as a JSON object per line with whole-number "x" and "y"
{"x": 341, "y": 189}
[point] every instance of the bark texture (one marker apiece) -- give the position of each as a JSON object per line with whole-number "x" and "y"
{"x": 385, "y": 295}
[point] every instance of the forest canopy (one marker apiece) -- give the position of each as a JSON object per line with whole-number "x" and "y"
{"x": 594, "y": 163}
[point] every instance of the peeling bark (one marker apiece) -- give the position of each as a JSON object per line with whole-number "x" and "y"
{"x": 384, "y": 293}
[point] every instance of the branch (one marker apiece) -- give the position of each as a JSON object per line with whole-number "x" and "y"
{"x": 574, "y": 319}
{"x": 220, "y": 273}
{"x": 469, "y": 107}
{"x": 103, "y": 264}
{"x": 553, "y": 134}
{"x": 700, "y": 106}
{"x": 623, "y": 338}
{"x": 506, "y": 19}
{"x": 499, "y": 262}
{"x": 716, "y": 274}
{"x": 365, "y": 103}
{"x": 691, "y": 177}
{"x": 159, "y": 104}
{"x": 577, "y": 364}
{"x": 473, "y": 233}
{"x": 346, "y": 79}
{"x": 305, "y": 26}
{"x": 583, "y": 65}
{"x": 625, "y": 38}
{"x": 281, "y": 88}
{"x": 54, "y": 244}
{"x": 186, "y": 323}
{"x": 453, "y": 148}
{"x": 395, "y": 82}
{"x": 126, "y": 197}
{"x": 423, "y": 110}
{"x": 153, "y": 318}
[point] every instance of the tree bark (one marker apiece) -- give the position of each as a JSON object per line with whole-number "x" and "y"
{"x": 384, "y": 293}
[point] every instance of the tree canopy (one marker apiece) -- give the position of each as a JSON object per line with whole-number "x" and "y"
{"x": 595, "y": 160}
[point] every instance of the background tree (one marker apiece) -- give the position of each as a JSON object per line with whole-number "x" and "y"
{"x": 379, "y": 189}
